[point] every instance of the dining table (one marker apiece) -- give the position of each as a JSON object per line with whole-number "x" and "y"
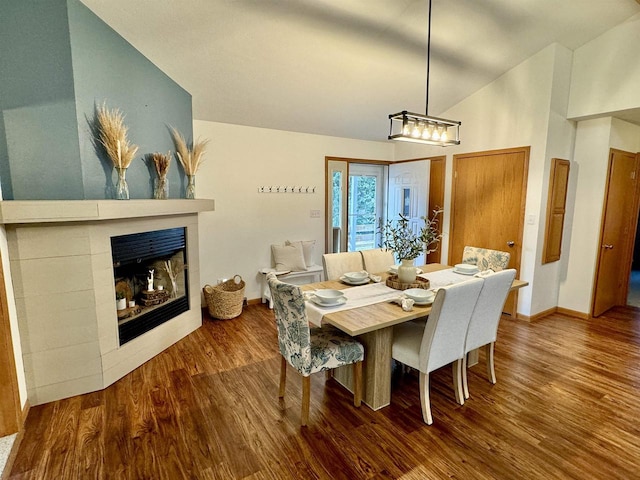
{"x": 372, "y": 325}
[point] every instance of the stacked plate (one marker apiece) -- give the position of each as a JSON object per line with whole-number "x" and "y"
{"x": 355, "y": 278}
{"x": 420, "y": 296}
{"x": 465, "y": 269}
{"x": 328, "y": 297}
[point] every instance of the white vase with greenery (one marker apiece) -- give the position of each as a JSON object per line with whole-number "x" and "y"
{"x": 407, "y": 245}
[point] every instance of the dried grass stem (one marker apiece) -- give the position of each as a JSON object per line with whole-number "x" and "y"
{"x": 190, "y": 156}
{"x": 112, "y": 134}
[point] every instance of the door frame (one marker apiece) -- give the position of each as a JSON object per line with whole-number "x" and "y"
{"x": 630, "y": 240}
{"x": 327, "y": 194}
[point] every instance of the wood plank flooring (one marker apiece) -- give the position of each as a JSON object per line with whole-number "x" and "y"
{"x": 565, "y": 406}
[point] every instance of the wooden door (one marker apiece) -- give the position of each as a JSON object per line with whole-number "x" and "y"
{"x": 487, "y": 206}
{"x": 436, "y": 198}
{"x": 10, "y": 412}
{"x": 617, "y": 234}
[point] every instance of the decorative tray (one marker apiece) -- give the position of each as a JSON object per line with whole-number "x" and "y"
{"x": 392, "y": 281}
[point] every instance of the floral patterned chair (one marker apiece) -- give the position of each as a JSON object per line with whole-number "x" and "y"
{"x": 485, "y": 258}
{"x": 310, "y": 350}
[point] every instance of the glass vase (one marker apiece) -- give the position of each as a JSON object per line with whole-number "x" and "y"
{"x": 406, "y": 271}
{"x": 122, "y": 189}
{"x": 191, "y": 187}
{"x": 161, "y": 190}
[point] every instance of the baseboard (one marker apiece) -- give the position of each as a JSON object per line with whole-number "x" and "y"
{"x": 550, "y": 311}
{"x": 254, "y": 301}
{"x": 537, "y": 316}
{"x": 574, "y": 313}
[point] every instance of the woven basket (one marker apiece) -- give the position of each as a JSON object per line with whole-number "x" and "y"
{"x": 224, "y": 301}
{"x": 393, "y": 282}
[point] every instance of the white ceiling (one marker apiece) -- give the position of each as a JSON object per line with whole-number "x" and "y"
{"x": 340, "y": 67}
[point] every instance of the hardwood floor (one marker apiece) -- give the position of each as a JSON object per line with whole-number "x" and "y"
{"x": 565, "y": 406}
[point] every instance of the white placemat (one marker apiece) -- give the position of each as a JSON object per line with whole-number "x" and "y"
{"x": 356, "y": 297}
{"x": 442, "y": 278}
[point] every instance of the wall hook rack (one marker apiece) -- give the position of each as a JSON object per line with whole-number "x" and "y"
{"x": 286, "y": 189}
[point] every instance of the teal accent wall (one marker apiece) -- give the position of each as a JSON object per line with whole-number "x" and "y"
{"x": 58, "y": 62}
{"x": 39, "y": 149}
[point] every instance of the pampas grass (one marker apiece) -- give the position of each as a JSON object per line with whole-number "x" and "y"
{"x": 190, "y": 156}
{"x": 161, "y": 162}
{"x": 112, "y": 133}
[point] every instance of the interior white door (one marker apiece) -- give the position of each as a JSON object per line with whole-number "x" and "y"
{"x": 409, "y": 194}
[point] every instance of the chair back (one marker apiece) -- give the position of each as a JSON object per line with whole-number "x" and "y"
{"x": 337, "y": 264}
{"x": 446, "y": 329}
{"x": 486, "y": 258}
{"x": 377, "y": 260}
{"x": 483, "y": 327}
{"x": 294, "y": 338}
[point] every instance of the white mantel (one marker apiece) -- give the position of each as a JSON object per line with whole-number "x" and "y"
{"x": 52, "y": 211}
{"x": 62, "y": 273}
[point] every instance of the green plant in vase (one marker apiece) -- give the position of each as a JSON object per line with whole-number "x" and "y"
{"x": 407, "y": 245}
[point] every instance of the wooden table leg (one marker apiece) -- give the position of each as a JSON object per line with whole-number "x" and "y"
{"x": 376, "y": 388}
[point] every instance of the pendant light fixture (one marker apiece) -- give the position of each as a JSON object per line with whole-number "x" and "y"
{"x": 418, "y": 128}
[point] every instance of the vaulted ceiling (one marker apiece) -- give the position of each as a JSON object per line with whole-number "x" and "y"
{"x": 339, "y": 67}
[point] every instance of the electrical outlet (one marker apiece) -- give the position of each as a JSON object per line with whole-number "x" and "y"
{"x": 315, "y": 213}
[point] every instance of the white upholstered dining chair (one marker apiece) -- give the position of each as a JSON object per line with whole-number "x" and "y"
{"x": 310, "y": 350}
{"x": 483, "y": 326}
{"x": 377, "y": 260}
{"x": 440, "y": 341}
{"x": 486, "y": 258}
{"x": 337, "y": 264}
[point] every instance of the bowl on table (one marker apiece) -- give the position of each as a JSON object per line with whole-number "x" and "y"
{"x": 356, "y": 276}
{"x": 329, "y": 296}
{"x": 420, "y": 296}
{"x": 466, "y": 268}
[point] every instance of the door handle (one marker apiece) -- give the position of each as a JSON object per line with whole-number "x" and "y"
{"x": 607, "y": 246}
{"x": 511, "y": 243}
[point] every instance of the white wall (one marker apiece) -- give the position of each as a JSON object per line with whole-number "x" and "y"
{"x": 606, "y": 72}
{"x": 585, "y": 197}
{"x": 237, "y": 237}
{"x": 524, "y": 107}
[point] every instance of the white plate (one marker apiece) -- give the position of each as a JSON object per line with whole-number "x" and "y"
{"x": 356, "y": 276}
{"x": 420, "y": 295}
{"x": 349, "y": 282}
{"x": 317, "y": 301}
{"x": 465, "y": 272}
{"x": 426, "y": 302}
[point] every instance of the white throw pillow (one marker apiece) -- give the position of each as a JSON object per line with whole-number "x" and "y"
{"x": 307, "y": 250}
{"x": 289, "y": 257}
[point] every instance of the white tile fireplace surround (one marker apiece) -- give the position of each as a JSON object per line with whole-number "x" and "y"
{"x": 63, "y": 280}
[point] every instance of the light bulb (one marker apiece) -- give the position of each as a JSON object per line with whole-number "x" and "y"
{"x": 428, "y": 130}
{"x": 444, "y": 137}
{"x": 406, "y": 128}
{"x": 416, "y": 131}
{"x": 436, "y": 134}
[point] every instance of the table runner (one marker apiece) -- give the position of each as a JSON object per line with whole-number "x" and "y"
{"x": 356, "y": 297}
{"x": 442, "y": 278}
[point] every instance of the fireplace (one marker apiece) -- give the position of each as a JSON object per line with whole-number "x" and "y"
{"x": 64, "y": 279}
{"x": 149, "y": 280}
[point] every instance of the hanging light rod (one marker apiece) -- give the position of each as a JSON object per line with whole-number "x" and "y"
{"x": 414, "y": 127}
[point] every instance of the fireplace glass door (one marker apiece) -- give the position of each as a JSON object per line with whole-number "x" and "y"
{"x": 150, "y": 280}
